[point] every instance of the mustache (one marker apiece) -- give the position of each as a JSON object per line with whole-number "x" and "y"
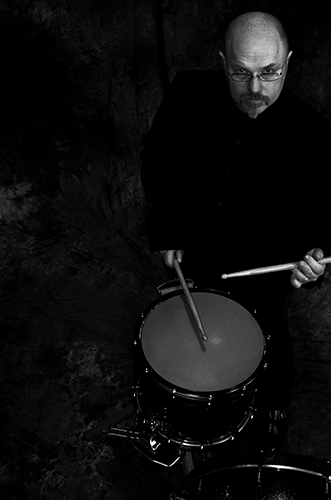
{"x": 254, "y": 97}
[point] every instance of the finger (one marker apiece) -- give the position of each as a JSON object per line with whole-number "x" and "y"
{"x": 316, "y": 268}
{"x": 295, "y": 282}
{"x": 165, "y": 257}
{"x": 299, "y": 278}
{"x": 304, "y": 272}
{"x": 169, "y": 258}
{"x": 179, "y": 255}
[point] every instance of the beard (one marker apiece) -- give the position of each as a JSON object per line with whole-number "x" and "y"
{"x": 251, "y": 103}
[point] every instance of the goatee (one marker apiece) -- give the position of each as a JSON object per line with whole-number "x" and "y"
{"x": 252, "y": 104}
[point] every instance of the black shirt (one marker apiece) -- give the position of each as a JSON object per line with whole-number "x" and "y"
{"x": 249, "y": 191}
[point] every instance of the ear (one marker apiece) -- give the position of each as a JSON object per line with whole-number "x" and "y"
{"x": 289, "y": 56}
{"x": 223, "y": 59}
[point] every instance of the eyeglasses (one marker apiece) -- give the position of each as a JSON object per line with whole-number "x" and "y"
{"x": 264, "y": 76}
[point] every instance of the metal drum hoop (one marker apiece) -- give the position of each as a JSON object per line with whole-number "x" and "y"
{"x": 174, "y": 388}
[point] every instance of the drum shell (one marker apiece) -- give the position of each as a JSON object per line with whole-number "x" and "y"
{"x": 286, "y": 477}
{"x": 197, "y": 417}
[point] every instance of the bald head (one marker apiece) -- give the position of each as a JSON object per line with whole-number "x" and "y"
{"x": 253, "y": 28}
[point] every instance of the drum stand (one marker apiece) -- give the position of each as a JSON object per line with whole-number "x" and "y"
{"x": 143, "y": 440}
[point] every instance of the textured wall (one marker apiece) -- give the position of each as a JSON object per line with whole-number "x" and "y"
{"x": 79, "y": 86}
{"x": 84, "y": 78}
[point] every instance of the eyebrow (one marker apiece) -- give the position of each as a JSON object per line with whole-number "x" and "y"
{"x": 269, "y": 66}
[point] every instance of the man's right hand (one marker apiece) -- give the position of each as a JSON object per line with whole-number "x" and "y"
{"x": 168, "y": 256}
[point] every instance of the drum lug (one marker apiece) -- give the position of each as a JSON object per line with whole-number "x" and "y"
{"x": 243, "y": 390}
{"x": 252, "y": 411}
{"x": 265, "y": 366}
{"x": 174, "y": 393}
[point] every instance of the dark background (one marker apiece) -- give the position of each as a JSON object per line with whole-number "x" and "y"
{"x": 80, "y": 81}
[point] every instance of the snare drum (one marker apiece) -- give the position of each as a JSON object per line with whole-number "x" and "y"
{"x": 197, "y": 393}
{"x": 284, "y": 477}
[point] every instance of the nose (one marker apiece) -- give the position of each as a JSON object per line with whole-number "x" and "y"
{"x": 255, "y": 85}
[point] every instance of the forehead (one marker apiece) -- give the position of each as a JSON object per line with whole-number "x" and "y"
{"x": 256, "y": 52}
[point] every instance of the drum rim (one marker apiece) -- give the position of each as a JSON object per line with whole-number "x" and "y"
{"x": 248, "y": 306}
{"x": 204, "y": 396}
{"x": 181, "y": 391}
{"x": 301, "y": 463}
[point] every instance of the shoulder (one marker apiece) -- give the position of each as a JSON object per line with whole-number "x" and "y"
{"x": 306, "y": 115}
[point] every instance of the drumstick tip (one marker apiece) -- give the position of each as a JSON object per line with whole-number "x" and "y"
{"x": 224, "y": 276}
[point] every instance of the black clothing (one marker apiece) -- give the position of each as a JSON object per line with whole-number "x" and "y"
{"x": 214, "y": 176}
{"x": 237, "y": 193}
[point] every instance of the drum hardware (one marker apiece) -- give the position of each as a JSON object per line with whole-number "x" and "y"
{"x": 144, "y": 436}
{"x": 172, "y": 286}
{"x": 252, "y": 411}
{"x": 173, "y": 496}
{"x": 261, "y": 460}
{"x": 262, "y": 476}
{"x": 148, "y": 443}
{"x": 327, "y": 471}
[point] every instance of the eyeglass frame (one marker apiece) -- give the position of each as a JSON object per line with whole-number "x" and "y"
{"x": 258, "y": 75}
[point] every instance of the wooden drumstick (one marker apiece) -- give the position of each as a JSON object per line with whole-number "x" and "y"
{"x": 190, "y": 300}
{"x": 270, "y": 269}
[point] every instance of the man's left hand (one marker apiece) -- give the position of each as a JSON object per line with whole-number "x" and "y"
{"x": 308, "y": 268}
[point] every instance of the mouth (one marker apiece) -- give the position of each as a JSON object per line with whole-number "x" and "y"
{"x": 254, "y": 100}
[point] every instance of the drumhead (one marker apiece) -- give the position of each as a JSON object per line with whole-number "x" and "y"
{"x": 173, "y": 347}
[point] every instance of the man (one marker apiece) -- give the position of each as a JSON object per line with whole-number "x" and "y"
{"x": 233, "y": 172}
